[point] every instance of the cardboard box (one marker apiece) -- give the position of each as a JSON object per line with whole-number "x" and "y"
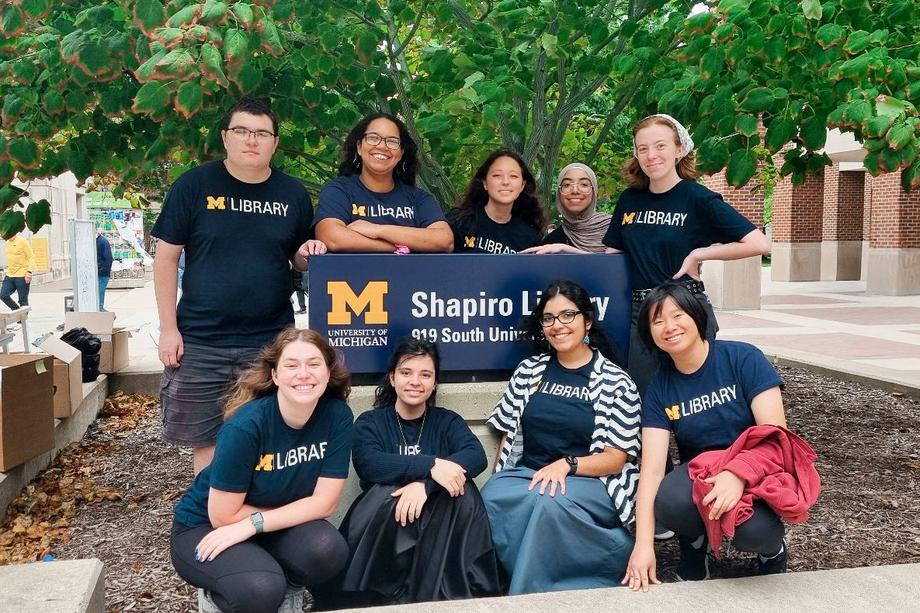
{"x": 68, "y": 376}
{"x": 114, "y": 353}
{"x": 26, "y": 408}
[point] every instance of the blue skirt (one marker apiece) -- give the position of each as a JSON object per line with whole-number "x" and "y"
{"x": 548, "y": 544}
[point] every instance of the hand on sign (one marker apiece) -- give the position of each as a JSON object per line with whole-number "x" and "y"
{"x": 312, "y": 247}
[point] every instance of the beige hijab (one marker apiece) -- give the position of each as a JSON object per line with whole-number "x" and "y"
{"x": 586, "y": 229}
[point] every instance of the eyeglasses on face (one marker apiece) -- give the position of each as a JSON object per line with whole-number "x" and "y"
{"x": 582, "y": 186}
{"x": 373, "y": 139}
{"x": 565, "y": 317}
{"x": 243, "y": 133}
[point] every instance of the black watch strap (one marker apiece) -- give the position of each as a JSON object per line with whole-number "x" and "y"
{"x": 572, "y": 461}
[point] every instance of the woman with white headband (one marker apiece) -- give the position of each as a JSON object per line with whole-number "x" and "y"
{"x": 669, "y": 224}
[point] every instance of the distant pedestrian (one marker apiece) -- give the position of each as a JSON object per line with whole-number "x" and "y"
{"x": 103, "y": 266}
{"x": 20, "y": 262}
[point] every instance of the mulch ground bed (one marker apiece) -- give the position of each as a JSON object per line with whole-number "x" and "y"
{"x": 111, "y": 495}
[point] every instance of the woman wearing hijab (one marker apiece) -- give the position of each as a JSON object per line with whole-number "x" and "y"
{"x": 583, "y": 226}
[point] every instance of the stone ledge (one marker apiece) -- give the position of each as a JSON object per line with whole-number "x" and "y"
{"x": 872, "y": 588}
{"x": 67, "y": 586}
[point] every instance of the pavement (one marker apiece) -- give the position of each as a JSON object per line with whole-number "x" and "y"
{"x": 830, "y": 326}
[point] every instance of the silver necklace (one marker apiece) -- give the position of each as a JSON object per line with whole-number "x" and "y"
{"x": 403, "y": 434}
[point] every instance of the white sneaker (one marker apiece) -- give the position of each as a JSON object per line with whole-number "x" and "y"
{"x": 14, "y": 328}
{"x": 296, "y": 601}
{"x": 205, "y": 604}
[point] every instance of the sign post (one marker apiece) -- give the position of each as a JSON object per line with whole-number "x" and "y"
{"x": 470, "y": 304}
{"x": 83, "y": 270}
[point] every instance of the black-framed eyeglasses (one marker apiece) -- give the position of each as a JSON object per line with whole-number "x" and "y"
{"x": 373, "y": 139}
{"x": 243, "y": 133}
{"x": 583, "y": 186}
{"x": 565, "y": 317}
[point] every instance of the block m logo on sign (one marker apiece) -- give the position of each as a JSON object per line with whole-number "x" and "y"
{"x": 368, "y": 303}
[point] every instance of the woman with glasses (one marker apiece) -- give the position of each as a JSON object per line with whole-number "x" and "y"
{"x": 583, "y": 226}
{"x": 669, "y": 224}
{"x": 499, "y": 212}
{"x": 374, "y": 206}
{"x": 567, "y": 470}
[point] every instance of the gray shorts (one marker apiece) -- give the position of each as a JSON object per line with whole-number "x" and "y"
{"x": 191, "y": 394}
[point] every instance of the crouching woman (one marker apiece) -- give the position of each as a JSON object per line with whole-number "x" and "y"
{"x": 419, "y": 531}
{"x": 566, "y": 473}
{"x": 251, "y": 531}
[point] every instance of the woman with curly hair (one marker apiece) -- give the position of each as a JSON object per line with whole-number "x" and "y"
{"x": 251, "y": 531}
{"x": 374, "y": 206}
{"x": 500, "y": 211}
{"x": 562, "y": 494}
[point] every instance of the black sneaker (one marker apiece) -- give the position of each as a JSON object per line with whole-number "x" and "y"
{"x": 694, "y": 560}
{"x": 775, "y": 565}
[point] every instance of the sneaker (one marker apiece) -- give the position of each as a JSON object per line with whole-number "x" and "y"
{"x": 205, "y": 604}
{"x": 14, "y": 328}
{"x": 694, "y": 560}
{"x": 663, "y": 533}
{"x": 775, "y": 565}
{"x": 296, "y": 600}
{"x": 300, "y": 312}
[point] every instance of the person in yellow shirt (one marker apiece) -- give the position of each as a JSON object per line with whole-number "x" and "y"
{"x": 20, "y": 262}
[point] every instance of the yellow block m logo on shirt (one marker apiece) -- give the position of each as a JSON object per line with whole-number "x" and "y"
{"x": 360, "y": 211}
{"x": 345, "y": 302}
{"x": 628, "y": 218}
{"x": 469, "y": 241}
{"x": 673, "y": 413}
{"x": 216, "y": 203}
{"x": 265, "y": 462}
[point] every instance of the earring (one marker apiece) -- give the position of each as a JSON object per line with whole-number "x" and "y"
{"x": 356, "y": 162}
{"x": 586, "y": 340}
{"x": 403, "y": 167}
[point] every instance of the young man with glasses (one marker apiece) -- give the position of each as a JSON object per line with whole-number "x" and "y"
{"x": 242, "y": 224}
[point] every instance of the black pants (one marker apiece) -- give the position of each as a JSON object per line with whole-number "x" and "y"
{"x": 252, "y": 576}
{"x": 762, "y": 533}
{"x": 643, "y": 362}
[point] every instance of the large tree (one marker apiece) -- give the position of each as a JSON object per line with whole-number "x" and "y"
{"x": 115, "y": 87}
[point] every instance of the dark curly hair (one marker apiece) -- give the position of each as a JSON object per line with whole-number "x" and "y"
{"x": 407, "y": 168}
{"x": 526, "y": 207}
{"x": 407, "y": 347}
{"x": 532, "y": 331}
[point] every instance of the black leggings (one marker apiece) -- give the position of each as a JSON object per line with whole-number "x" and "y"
{"x": 762, "y": 533}
{"x": 252, "y": 576}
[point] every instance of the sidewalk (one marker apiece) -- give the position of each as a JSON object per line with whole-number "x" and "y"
{"x": 833, "y": 326}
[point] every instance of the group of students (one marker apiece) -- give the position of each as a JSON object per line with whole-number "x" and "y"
{"x": 584, "y": 438}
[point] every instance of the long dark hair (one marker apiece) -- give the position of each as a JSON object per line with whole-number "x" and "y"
{"x": 654, "y": 302}
{"x": 531, "y": 330}
{"x": 408, "y": 347}
{"x": 407, "y": 168}
{"x": 256, "y": 380}
{"x": 527, "y": 205}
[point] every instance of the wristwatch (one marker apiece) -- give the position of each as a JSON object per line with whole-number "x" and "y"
{"x": 257, "y": 522}
{"x": 572, "y": 461}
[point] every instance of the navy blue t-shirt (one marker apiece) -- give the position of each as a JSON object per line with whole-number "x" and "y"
{"x": 559, "y": 419}
{"x": 347, "y": 199}
{"x": 479, "y": 233}
{"x": 659, "y": 230}
{"x": 710, "y": 408}
{"x": 273, "y": 463}
{"x": 239, "y": 239}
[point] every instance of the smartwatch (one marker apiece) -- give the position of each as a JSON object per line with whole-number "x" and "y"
{"x": 257, "y": 522}
{"x": 572, "y": 461}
